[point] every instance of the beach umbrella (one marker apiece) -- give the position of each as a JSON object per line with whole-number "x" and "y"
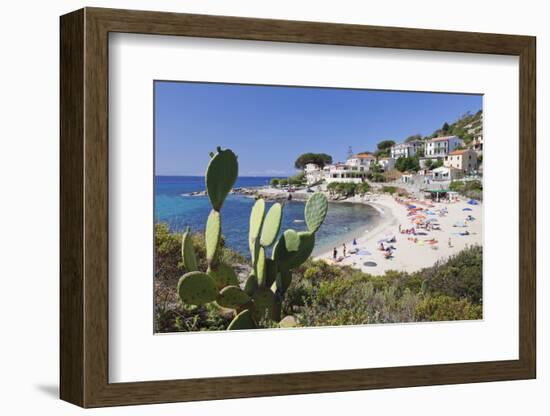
{"x": 472, "y": 202}
{"x": 466, "y": 209}
{"x": 411, "y": 206}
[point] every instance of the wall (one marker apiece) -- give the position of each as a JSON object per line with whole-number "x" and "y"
{"x": 29, "y": 206}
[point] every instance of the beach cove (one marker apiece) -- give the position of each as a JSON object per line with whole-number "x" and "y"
{"x": 180, "y": 202}
{"x": 409, "y": 254}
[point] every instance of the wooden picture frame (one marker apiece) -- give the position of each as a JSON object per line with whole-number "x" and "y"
{"x": 84, "y": 207}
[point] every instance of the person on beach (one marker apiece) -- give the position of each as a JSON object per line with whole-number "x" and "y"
{"x": 354, "y": 242}
{"x": 344, "y": 249}
{"x": 334, "y": 253}
{"x": 450, "y": 244}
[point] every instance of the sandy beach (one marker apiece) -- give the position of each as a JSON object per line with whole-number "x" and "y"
{"x": 412, "y": 252}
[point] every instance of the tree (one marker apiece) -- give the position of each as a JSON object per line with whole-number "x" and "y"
{"x": 375, "y": 168}
{"x": 428, "y": 164}
{"x": 413, "y": 138}
{"x": 445, "y": 127}
{"x": 274, "y": 182}
{"x": 385, "y": 144}
{"x": 297, "y": 179}
{"x": 404, "y": 164}
{"x": 320, "y": 159}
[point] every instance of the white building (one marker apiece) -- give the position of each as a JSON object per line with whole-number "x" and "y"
{"x": 405, "y": 149}
{"x": 342, "y": 172}
{"x": 361, "y": 160}
{"x": 386, "y": 163}
{"x": 477, "y": 143}
{"x": 313, "y": 173}
{"x": 445, "y": 173}
{"x": 441, "y": 146}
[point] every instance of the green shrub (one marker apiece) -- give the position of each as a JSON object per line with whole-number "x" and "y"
{"x": 389, "y": 189}
{"x": 348, "y": 189}
{"x": 459, "y": 276}
{"x": 377, "y": 177}
{"x": 469, "y": 189}
{"x": 410, "y": 164}
{"x": 446, "y": 308}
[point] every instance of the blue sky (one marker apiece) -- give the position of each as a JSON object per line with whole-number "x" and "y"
{"x": 268, "y": 127}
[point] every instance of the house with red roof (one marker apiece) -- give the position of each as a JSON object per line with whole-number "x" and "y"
{"x": 441, "y": 146}
{"x": 464, "y": 159}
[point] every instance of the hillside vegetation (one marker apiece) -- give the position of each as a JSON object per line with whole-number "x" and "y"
{"x": 322, "y": 294}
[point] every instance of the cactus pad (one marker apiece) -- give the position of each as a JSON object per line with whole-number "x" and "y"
{"x": 256, "y": 221}
{"x": 264, "y": 304}
{"x": 261, "y": 267}
{"x": 272, "y": 224}
{"x": 283, "y": 281}
{"x": 212, "y": 235}
{"x": 307, "y": 243}
{"x": 251, "y": 284}
{"x": 197, "y": 288}
{"x": 232, "y": 297}
{"x": 302, "y": 241}
{"x": 292, "y": 240}
{"x": 188, "y": 252}
{"x": 270, "y": 272}
{"x": 316, "y": 211}
{"x": 223, "y": 275}
{"x": 221, "y": 175}
{"x": 242, "y": 321}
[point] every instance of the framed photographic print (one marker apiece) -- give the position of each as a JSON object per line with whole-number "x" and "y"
{"x": 257, "y": 207}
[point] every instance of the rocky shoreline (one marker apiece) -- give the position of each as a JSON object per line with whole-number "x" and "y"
{"x": 270, "y": 194}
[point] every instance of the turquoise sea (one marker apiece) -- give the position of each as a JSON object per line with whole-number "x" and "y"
{"x": 172, "y": 206}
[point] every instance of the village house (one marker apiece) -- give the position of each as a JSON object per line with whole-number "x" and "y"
{"x": 313, "y": 173}
{"x": 405, "y": 149}
{"x": 464, "y": 160}
{"x": 361, "y": 160}
{"x": 477, "y": 144}
{"x": 386, "y": 163}
{"x": 439, "y": 147}
{"x": 446, "y": 173}
{"x": 354, "y": 170}
{"x": 342, "y": 172}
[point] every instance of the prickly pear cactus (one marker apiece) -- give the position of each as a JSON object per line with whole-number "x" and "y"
{"x": 316, "y": 211}
{"x": 223, "y": 275}
{"x": 264, "y": 304}
{"x": 188, "y": 252}
{"x": 256, "y": 219}
{"x": 221, "y": 175}
{"x": 272, "y": 225}
{"x": 242, "y": 321}
{"x": 197, "y": 288}
{"x": 233, "y": 297}
{"x": 262, "y": 294}
{"x": 213, "y": 235}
